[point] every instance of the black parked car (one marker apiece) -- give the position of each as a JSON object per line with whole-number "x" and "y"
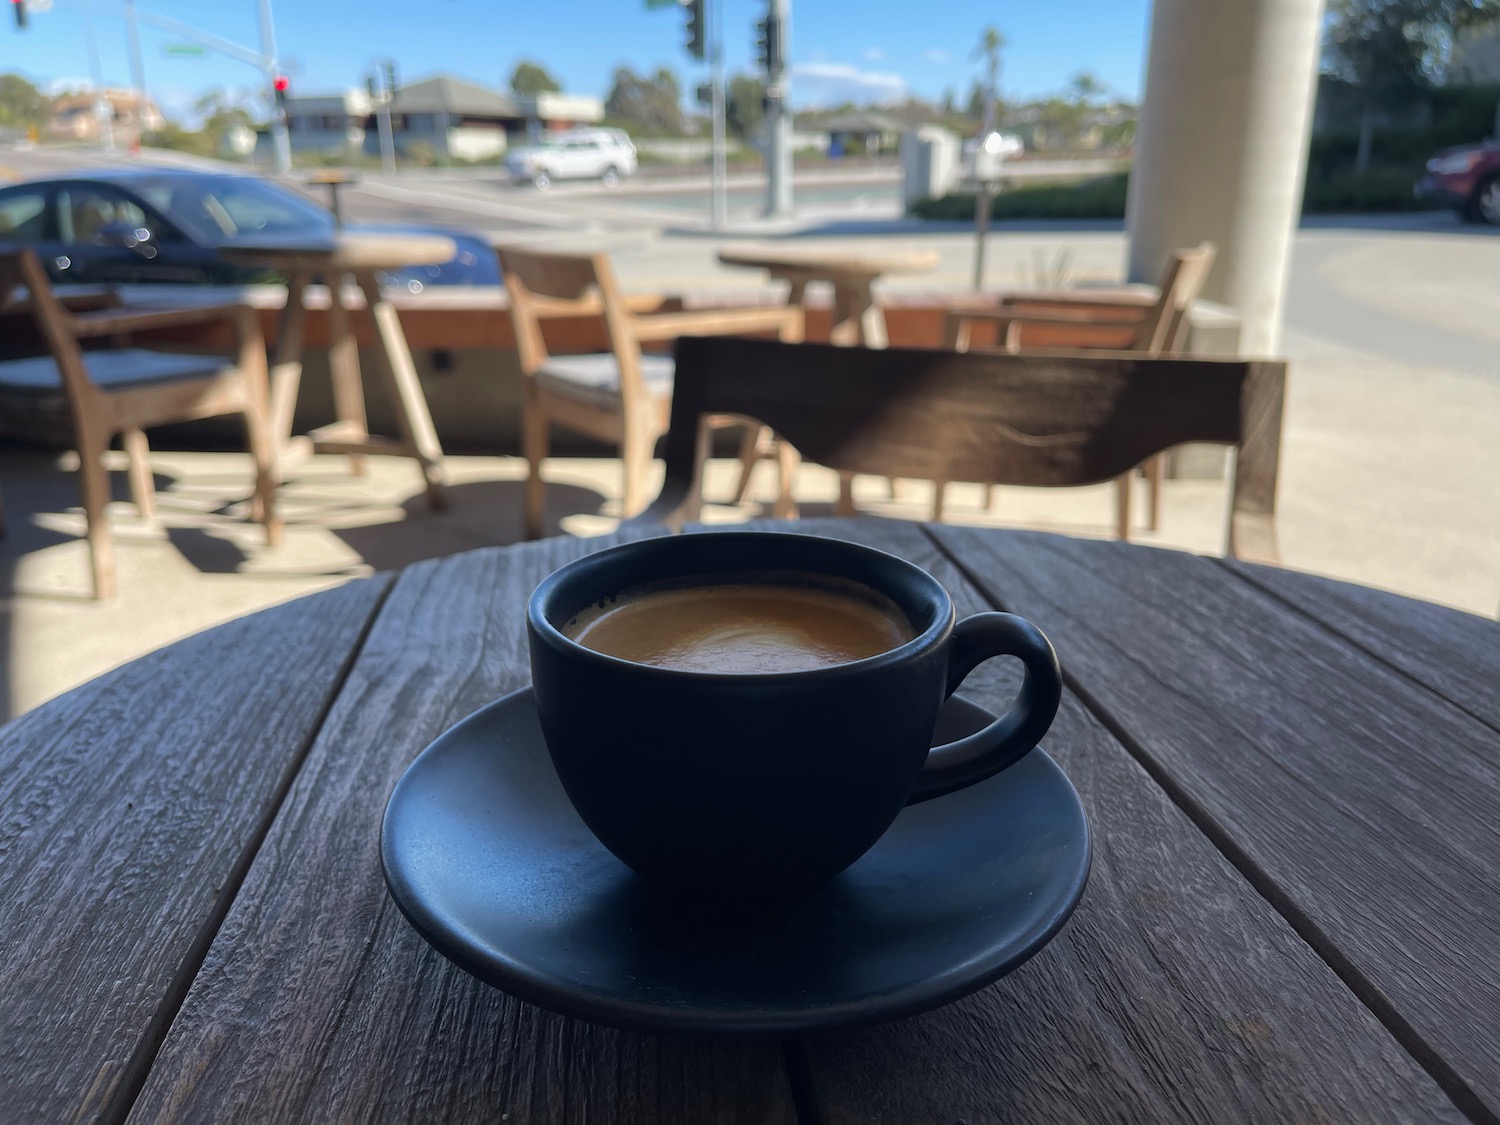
{"x": 137, "y": 225}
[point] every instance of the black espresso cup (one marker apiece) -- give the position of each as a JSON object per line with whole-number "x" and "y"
{"x": 764, "y": 785}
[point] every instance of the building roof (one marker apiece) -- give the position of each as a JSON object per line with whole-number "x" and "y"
{"x": 860, "y": 121}
{"x": 443, "y": 93}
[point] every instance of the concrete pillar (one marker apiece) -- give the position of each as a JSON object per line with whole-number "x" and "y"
{"x": 1222, "y": 148}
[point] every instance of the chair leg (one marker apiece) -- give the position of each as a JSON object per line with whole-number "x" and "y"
{"x": 1122, "y": 504}
{"x": 1156, "y": 471}
{"x": 142, "y": 486}
{"x": 534, "y": 445}
{"x": 989, "y": 497}
{"x": 93, "y": 479}
{"x": 939, "y": 495}
{"x": 787, "y": 460}
{"x": 636, "y": 451}
{"x": 755, "y": 442}
{"x": 263, "y": 452}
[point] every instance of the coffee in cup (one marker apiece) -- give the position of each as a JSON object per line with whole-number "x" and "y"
{"x": 746, "y": 624}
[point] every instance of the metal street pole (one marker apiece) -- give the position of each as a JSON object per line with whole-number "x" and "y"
{"x": 387, "y": 70}
{"x": 981, "y": 171}
{"x": 719, "y": 208}
{"x": 104, "y": 113}
{"x": 779, "y": 118}
{"x": 279, "y": 137}
{"x": 137, "y": 67}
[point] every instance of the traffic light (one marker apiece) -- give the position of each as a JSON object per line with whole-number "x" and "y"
{"x": 19, "y": 7}
{"x": 697, "y": 36}
{"x": 281, "y": 84}
{"x": 768, "y": 43}
{"x": 390, "y": 79}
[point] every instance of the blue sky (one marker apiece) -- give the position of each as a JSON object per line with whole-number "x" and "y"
{"x": 888, "y": 48}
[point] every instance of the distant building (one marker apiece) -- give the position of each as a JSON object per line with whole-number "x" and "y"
{"x": 552, "y": 112}
{"x": 447, "y": 118}
{"x": 77, "y": 116}
{"x": 334, "y": 124}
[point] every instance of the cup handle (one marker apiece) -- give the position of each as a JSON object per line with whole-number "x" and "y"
{"x": 1010, "y": 737}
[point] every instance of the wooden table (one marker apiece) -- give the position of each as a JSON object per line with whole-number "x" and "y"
{"x": 856, "y": 317}
{"x": 1293, "y": 913}
{"x": 360, "y": 256}
{"x": 333, "y": 179}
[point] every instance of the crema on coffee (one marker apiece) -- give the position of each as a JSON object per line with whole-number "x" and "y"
{"x": 744, "y": 624}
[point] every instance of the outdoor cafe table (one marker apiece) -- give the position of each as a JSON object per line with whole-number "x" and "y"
{"x": 857, "y": 319}
{"x": 1292, "y": 916}
{"x": 361, "y": 256}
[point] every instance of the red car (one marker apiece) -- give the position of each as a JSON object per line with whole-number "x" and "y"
{"x": 1466, "y": 178}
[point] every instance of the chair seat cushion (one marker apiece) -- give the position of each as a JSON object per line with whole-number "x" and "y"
{"x": 110, "y": 370}
{"x": 595, "y": 379}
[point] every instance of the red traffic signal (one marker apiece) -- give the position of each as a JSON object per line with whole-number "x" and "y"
{"x": 281, "y": 84}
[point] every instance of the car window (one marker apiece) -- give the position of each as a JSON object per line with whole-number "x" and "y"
{"x": 23, "y": 216}
{"x": 83, "y": 212}
{"x": 214, "y": 209}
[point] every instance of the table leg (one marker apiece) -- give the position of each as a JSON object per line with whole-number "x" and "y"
{"x": 343, "y": 366}
{"x": 845, "y": 505}
{"x": 394, "y": 358}
{"x": 857, "y": 319}
{"x": 286, "y": 365}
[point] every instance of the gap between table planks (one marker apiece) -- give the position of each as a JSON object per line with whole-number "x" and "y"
{"x": 1359, "y": 803}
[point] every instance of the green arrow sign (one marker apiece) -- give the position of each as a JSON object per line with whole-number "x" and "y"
{"x": 186, "y": 50}
{"x": 650, "y": 4}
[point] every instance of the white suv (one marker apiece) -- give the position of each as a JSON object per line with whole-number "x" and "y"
{"x": 605, "y": 155}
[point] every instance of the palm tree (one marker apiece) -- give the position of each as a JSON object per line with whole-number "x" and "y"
{"x": 991, "y": 42}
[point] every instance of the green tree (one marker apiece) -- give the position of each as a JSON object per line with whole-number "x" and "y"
{"x": 532, "y": 78}
{"x": 1085, "y": 87}
{"x": 650, "y": 104}
{"x": 1393, "y": 50}
{"x": 22, "y": 105}
{"x": 744, "y": 105}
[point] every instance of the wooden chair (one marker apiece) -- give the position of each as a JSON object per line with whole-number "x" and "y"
{"x": 623, "y": 395}
{"x": 1047, "y": 419}
{"x": 1117, "y": 321}
{"x": 125, "y": 390}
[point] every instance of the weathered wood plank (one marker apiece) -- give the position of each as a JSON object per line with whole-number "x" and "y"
{"x": 1176, "y": 993}
{"x": 128, "y": 811}
{"x": 1361, "y": 804}
{"x": 1456, "y": 654}
{"x": 317, "y": 1002}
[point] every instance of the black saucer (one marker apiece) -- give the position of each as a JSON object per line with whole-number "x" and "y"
{"x": 487, "y": 859}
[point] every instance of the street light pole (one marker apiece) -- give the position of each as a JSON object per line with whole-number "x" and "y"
{"x": 137, "y": 67}
{"x": 719, "y": 208}
{"x": 104, "y": 113}
{"x": 778, "y": 112}
{"x": 279, "y": 137}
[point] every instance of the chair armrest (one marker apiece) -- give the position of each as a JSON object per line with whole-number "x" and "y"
{"x": 110, "y": 321}
{"x": 1084, "y": 298}
{"x": 1104, "y": 318}
{"x": 719, "y": 322}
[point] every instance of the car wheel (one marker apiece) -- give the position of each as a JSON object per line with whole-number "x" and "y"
{"x": 611, "y": 177}
{"x": 541, "y": 181}
{"x": 1484, "y": 206}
